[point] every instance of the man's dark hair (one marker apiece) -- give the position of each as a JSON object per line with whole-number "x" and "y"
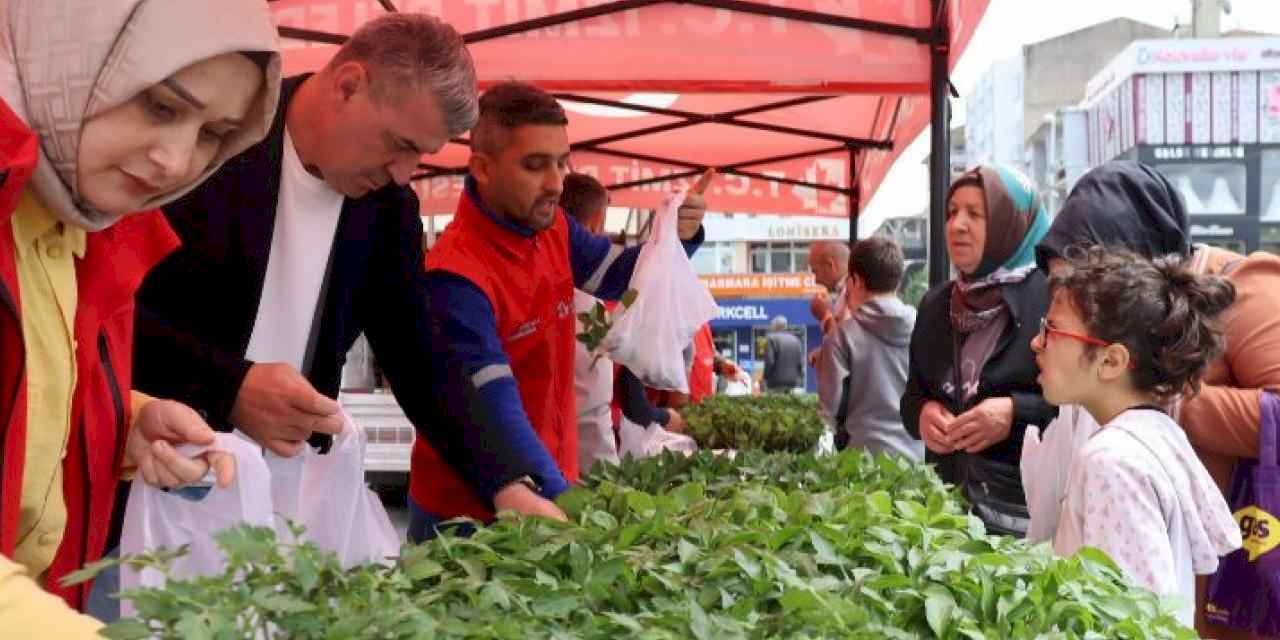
{"x": 583, "y": 197}
{"x": 509, "y": 105}
{"x": 878, "y": 262}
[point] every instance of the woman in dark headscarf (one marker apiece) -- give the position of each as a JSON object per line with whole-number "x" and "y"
{"x": 1123, "y": 204}
{"x": 1132, "y": 206}
{"x": 971, "y": 388}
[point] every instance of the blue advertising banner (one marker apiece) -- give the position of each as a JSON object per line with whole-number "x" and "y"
{"x": 743, "y": 323}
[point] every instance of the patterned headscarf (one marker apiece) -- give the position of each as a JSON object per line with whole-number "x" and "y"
{"x": 1016, "y": 221}
{"x": 62, "y": 62}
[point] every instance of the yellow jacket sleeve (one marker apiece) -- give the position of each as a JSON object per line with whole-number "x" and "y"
{"x": 27, "y": 611}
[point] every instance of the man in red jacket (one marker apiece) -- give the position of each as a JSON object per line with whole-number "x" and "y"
{"x": 501, "y": 281}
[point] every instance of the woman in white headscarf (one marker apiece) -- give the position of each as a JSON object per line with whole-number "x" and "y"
{"x": 108, "y": 109}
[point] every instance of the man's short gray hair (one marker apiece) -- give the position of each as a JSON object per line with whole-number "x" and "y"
{"x": 415, "y": 50}
{"x": 838, "y": 249}
{"x": 779, "y": 323}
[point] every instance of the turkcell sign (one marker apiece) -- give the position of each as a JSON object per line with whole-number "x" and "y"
{"x": 756, "y": 312}
{"x": 743, "y": 312}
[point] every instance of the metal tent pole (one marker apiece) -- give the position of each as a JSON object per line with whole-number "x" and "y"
{"x": 855, "y": 200}
{"x": 940, "y": 153}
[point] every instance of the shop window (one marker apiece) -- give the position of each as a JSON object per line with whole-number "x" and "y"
{"x": 779, "y": 257}
{"x": 1269, "y": 178}
{"x": 801, "y": 259}
{"x": 1269, "y": 239}
{"x": 726, "y": 342}
{"x": 1214, "y": 188}
{"x": 712, "y": 258}
{"x": 759, "y": 259}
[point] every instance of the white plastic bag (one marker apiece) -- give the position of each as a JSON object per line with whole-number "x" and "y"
{"x": 826, "y": 445}
{"x": 649, "y": 337}
{"x": 739, "y": 385}
{"x": 646, "y": 442}
{"x": 1044, "y": 467}
{"x": 156, "y": 518}
{"x": 327, "y": 495}
{"x": 324, "y": 493}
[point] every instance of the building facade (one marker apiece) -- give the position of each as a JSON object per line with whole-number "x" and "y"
{"x": 994, "y": 115}
{"x": 1014, "y": 116}
{"x": 1206, "y": 113}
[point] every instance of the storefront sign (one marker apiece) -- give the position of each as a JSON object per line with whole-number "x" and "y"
{"x": 748, "y": 322}
{"x": 761, "y": 311}
{"x": 1213, "y": 230}
{"x": 742, "y": 312}
{"x": 1199, "y": 152}
{"x": 827, "y": 231}
{"x": 762, "y": 285}
{"x": 765, "y": 228}
{"x": 1185, "y": 56}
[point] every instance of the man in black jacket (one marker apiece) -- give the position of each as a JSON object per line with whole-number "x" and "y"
{"x": 310, "y": 238}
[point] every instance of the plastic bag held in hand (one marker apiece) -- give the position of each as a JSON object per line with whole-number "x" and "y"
{"x": 649, "y": 337}
{"x": 326, "y": 493}
{"x": 155, "y": 518}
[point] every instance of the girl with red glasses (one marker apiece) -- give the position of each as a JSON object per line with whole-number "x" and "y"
{"x": 1123, "y": 336}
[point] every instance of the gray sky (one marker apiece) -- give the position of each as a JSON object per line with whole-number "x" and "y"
{"x": 1007, "y": 26}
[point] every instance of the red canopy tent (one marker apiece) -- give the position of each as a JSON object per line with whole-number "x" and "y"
{"x": 803, "y": 105}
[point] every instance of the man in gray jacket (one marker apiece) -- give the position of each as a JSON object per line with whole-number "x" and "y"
{"x": 863, "y": 368}
{"x": 783, "y": 358}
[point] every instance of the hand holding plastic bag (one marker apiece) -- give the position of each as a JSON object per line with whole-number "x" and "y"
{"x": 324, "y": 493}
{"x": 651, "y": 334}
{"x": 155, "y": 518}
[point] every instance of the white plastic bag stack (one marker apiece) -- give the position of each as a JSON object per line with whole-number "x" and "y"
{"x": 646, "y": 442}
{"x": 649, "y": 337}
{"x": 324, "y": 493}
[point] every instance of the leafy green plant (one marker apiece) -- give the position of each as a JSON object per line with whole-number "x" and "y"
{"x": 761, "y": 546}
{"x": 771, "y": 422}
{"x": 597, "y": 323}
{"x": 269, "y": 589}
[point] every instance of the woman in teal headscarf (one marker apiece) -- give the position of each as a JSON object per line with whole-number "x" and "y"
{"x": 971, "y": 389}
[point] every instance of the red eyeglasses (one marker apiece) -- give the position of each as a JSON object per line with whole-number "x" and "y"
{"x": 1047, "y": 330}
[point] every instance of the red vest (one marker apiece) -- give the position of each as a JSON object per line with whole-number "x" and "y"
{"x": 529, "y": 282}
{"x": 701, "y": 374}
{"x": 115, "y": 261}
